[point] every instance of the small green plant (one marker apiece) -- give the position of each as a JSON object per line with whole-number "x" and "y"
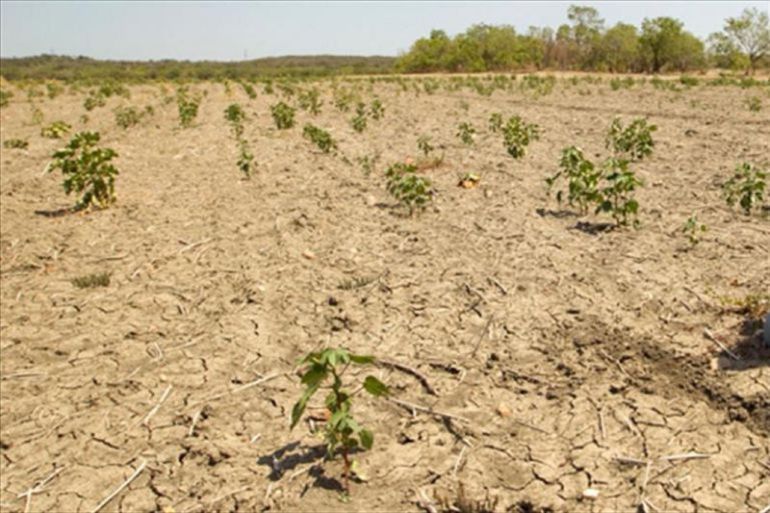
{"x": 617, "y": 196}
{"x": 319, "y": 137}
{"x": 359, "y": 120}
{"x": 90, "y": 281}
{"x": 126, "y": 117}
{"x": 746, "y": 187}
{"x": 283, "y": 115}
{"x": 376, "y": 109}
{"x": 342, "y": 431}
{"x": 249, "y": 90}
{"x": 37, "y": 115}
{"x": 53, "y": 89}
{"x": 342, "y": 99}
{"x": 5, "y": 97}
{"x": 16, "y": 144}
{"x": 495, "y": 122}
{"x": 754, "y": 103}
{"x": 368, "y": 163}
{"x": 517, "y": 135}
{"x": 424, "y": 145}
{"x": 235, "y": 115}
{"x": 583, "y": 179}
{"x": 94, "y": 100}
{"x": 310, "y": 101}
{"x": 245, "y": 159}
{"x": 693, "y": 229}
{"x": 55, "y": 130}
{"x": 466, "y": 133}
{"x": 633, "y": 142}
{"x": 87, "y": 169}
{"x": 187, "y": 107}
{"x": 412, "y": 191}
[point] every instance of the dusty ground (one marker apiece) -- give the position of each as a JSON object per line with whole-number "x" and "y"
{"x": 572, "y": 359}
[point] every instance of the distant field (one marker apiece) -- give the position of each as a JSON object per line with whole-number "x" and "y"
{"x": 544, "y": 352}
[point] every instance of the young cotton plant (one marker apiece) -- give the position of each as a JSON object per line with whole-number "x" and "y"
{"x": 692, "y": 229}
{"x": 412, "y": 191}
{"x": 187, "y": 107}
{"x": 517, "y": 135}
{"x": 87, "y": 169}
{"x": 55, "y": 130}
{"x": 632, "y": 143}
{"x": 319, "y": 137}
{"x": 466, "y": 133}
{"x": 342, "y": 431}
{"x": 582, "y": 179}
{"x": 359, "y": 120}
{"x": 746, "y": 187}
{"x": 283, "y": 115}
{"x": 616, "y": 197}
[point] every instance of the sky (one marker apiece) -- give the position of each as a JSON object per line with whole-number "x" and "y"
{"x": 226, "y": 31}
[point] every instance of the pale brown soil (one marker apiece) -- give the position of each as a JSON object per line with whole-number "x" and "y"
{"x": 591, "y": 343}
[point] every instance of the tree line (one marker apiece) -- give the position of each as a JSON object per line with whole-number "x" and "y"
{"x": 659, "y": 45}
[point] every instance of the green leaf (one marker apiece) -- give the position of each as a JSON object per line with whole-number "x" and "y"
{"x": 315, "y": 375}
{"x": 361, "y": 359}
{"x": 375, "y": 387}
{"x": 299, "y": 407}
{"x": 367, "y": 438}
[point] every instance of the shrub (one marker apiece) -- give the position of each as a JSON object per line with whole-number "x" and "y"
{"x": 342, "y": 431}
{"x": 583, "y": 179}
{"x": 319, "y": 137}
{"x": 16, "y": 144}
{"x": 55, "y": 130}
{"x": 465, "y": 132}
{"x": 412, "y": 191}
{"x": 746, "y": 187}
{"x": 126, "y": 117}
{"x": 87, "y": 170}
{"x": 517, "y": 135}
{"x": 633, "y": 142}
{"x": 283, "y": 115}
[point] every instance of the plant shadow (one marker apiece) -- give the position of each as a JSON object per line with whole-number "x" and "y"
{"x": 750, "y": 348}
{"x": 593, "y": 228}
{"x": 558, "y": 214}
{"x": 59, "y": 212}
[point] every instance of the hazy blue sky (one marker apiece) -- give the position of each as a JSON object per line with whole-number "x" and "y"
{"x": 232, "y": 30}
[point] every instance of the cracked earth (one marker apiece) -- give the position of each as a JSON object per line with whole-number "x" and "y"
{"x": 555, "y": 360}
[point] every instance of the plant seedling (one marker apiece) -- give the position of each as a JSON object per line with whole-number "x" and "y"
{"x": 367, "y": 163}
{"x": 424, "y": 145}
{"x": 87, "y": 170}
{"x": 310, "y": 101}
{"x": 746, "y": 187}
{"x": 466, "y": 132}
{"x": 359, "y": 120}
{"x": 235, "y": 115}
{"x": 410, "y": 190}
{"x": 90, "y": 281}
{"x": 55, "y": 130}
{"x": 617, "y": 196}
{"x": 319, "y": 137}
{"x": 583, "y": 179}
{"x": 16, "y": 144}
{"x": 692, "y": 228}
{"x": 633, "y": 142}
{"x": 342, "y": 431}
{"x": 754, "y": 103}
{"x": 245, "y": 159}
{"x": 283, "y": 115}
{"x": 495, "y": 122}
{"x": 187, "y": 107}
{"x": 517, "y": 135}
{"x": 126, "y": 117}
{"x": 377, "y": 110}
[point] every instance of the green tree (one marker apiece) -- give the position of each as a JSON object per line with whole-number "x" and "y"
{"x": 585, "y": 32}
{"x": 665, "y": 45}
{"x": 426, "y": 54}
{"x": 749, "y": 34}
{"x": 619, "y": 48}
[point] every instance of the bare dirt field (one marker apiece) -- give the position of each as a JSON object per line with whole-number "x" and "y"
{"x": 556, "y": 357}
